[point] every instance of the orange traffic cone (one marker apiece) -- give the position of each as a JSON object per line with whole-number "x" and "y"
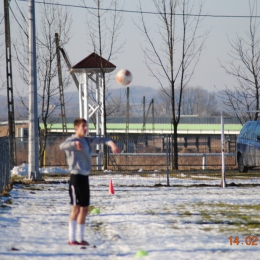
{"x": 111, "y": 188}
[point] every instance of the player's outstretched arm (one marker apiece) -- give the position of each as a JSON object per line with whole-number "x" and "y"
{"x": 68, "y": 144}
{"x": 114, "y": 147}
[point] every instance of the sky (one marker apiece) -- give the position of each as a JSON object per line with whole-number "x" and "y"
{"x": 208, "y": 73}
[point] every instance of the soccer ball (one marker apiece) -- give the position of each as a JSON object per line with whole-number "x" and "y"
{"x": 123, "y": 77}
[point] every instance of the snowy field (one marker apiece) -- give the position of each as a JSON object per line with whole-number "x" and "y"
{"x": 166, "y": 222}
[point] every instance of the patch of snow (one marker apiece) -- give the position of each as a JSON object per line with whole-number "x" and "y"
{"x": 22, "y": 170}
{"x": 181, "y": 175}
{"x": 53, "y": 170}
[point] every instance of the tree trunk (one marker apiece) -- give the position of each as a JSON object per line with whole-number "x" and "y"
{"x": 43, "y": 141}
{"x": 175, "y": 146}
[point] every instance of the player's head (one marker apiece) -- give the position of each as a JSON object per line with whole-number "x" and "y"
{"x": 80, "y": 126}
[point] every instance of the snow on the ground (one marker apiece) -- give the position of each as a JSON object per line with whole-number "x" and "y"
{"x": 166, "y": 222}
{"x": 22, "y": 170}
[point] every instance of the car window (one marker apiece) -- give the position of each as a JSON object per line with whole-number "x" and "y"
{"x": 243, "y": 131}
{"x": 257, "y": 131}
{"x": 251, "y": 131}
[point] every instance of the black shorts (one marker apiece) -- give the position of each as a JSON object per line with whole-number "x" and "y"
{"x": 79, "y": 190}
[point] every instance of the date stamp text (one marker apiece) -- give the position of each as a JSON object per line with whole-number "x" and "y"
{"x": 248, "y": 240}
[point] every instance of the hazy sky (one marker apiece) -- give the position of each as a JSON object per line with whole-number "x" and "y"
{"x": 208, "y": 73}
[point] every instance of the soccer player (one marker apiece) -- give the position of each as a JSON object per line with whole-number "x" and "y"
{"x": 79, "y": 159}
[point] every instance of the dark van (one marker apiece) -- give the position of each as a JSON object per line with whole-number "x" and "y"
{"x": 248, "y": 146}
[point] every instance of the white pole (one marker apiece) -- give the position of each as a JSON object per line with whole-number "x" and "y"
{"x": 167, "y": 161}
{"x": 98, "y": 103}
{"x": 33, "y": 142}
{"x": 80, "y": 97}
{"x": 98, "y": 147}
{"x": 86, "y": 99}
{"x": 102, "y": 107}
{"x": 204, "y": 162}
{"x": 102, "y": 110}
{"x": 223, "y": 181}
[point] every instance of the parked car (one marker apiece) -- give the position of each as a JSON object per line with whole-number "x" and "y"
{"x": 248, "y": 146}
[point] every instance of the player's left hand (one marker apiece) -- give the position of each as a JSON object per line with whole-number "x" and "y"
{"x": 115, "y": 148}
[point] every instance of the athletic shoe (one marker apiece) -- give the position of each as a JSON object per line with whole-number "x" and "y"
{"x": 83, "y": 243}
{"x": 73, "y": 243}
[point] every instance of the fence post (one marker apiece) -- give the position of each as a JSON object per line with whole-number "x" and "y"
{"x": 167, "y": 161}
{"x": 223, "y": 180}
{"x": 204, "y": 163}
{"x": 5, "y": 162}
{"x": 2, "y": 160}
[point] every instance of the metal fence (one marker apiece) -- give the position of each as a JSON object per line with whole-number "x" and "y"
{"x": 149, "y": 152}
{"x": 146, "y": 160}
{"x": 153, "y": 152}
{"x": 4, "y": 163}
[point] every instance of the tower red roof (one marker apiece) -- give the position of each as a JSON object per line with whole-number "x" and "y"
{"x": 93, "y": 62}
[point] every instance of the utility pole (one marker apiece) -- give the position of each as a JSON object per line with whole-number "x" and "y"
{"x": 33, "y": 141}
{"x": 145, "y": 116}
{"x": 152, "y": 102}
{"x": 9, "y": 76}
{"x": 66, "y": 58}
{"x": 143, "y": 128}
{"x": 127, "y": 121}
{"x": 62, "y": 103}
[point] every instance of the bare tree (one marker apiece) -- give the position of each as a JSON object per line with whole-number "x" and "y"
{"x": 164, "y": 101}
{"x": 117, "y": 108}
{"x": 195, "y": 101}
{"x": 244, "y": 66}
{"x": 53, "y": 20}
{"x": 103, "y": 27}
{"x": 198, "y": 101}
{"x": 173, "y": 62}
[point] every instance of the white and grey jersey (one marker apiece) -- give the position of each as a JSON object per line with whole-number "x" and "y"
{"x": 80, "y": 162}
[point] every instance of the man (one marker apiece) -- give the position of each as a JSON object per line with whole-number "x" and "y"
{"x": 79, "y": 158}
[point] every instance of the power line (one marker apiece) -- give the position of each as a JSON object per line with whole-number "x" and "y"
{"x": 26, "y": 34}
{"x": 25, "y": 20}
{"x": 145, "y": 12}
{"x": 133, "y": 103}
{"x": 2, "y": 19}
{"x": 18, "y": 22}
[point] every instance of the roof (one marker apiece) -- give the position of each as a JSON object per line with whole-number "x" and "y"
{"x": 93, "y": 62}
{"x": 183, "y": 129}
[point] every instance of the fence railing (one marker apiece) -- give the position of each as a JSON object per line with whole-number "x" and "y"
{"x": 202, "y": 160}
{"x": 149, "y": 152}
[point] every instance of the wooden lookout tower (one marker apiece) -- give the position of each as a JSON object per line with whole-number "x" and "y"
{"x": 91, "y": 99}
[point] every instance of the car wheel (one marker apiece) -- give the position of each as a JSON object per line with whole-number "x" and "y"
{"x": 241, "y": 166}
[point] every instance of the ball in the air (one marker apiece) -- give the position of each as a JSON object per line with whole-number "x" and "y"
{"x": 124, "y": 77}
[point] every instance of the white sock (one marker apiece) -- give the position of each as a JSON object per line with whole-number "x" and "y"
{"x": 72, "y": 230}
{"x": 80, "y": 228}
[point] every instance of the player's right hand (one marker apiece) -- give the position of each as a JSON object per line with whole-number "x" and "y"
{"x": 78, "y": 145}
